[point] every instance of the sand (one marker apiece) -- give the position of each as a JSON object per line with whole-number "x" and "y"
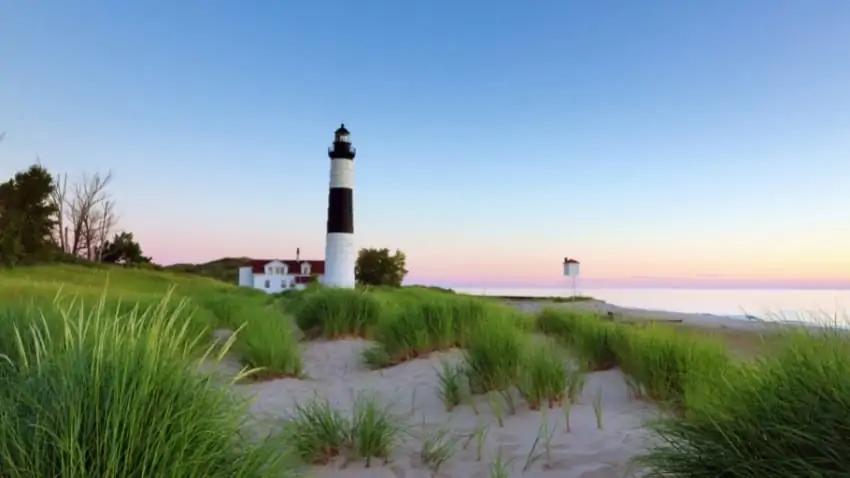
{"x": 627, "y": 314}
{"x": 336, "y": 372}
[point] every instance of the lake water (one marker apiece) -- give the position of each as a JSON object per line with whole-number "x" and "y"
{"x": 731, "y": 302}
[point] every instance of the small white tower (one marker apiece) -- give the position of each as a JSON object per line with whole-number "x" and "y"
{"x": 571, "y": 270}
{"x": 340, "y": 253}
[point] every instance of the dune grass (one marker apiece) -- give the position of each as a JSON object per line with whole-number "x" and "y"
{"x": 92, "y": 390}
{"x": 266, "y": 339}
{"x": 544, "y": 375}
{"x": 783, "y": 415}
{"x": 661, "y": 363}
{"x": 110, "y": 379}
{"x": 591, "y": 339}
{"x": 405, "y": 323}
{"x": 780, "y": 414}
{"x": 318, "y": 432}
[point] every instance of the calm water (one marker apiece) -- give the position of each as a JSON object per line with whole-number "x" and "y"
{"x": 713, "y": 301}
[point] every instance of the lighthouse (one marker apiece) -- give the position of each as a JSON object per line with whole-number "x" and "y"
{"x": 340, "y": 253}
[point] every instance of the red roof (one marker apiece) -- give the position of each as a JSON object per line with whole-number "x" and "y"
{"x": 567, "y": 260}
{"x": 294, "y": 266}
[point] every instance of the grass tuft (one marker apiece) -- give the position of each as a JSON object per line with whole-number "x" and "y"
{"x": 594, "y": 341}
{"x": 375, "y": 429}
{"x": 318, "y": 432}
{"x": 493, "y": 356}
{"x": 95, "y": 390}
{"x": 450, "y": 384}
{"x": 784, "y": 415}
{"x": 544, "y": 375}
{"x": 438, "y": 448}
{"x": 335, "y": 312}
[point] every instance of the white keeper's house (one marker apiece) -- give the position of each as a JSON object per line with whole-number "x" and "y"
{"x": 277, "y": 275}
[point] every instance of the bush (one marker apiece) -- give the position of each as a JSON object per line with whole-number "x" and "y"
{"x": 782, "y": 416}
{"x": 116, "y": 393}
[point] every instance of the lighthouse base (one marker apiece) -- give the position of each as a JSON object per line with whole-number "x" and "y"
{"x": 340, "y": 258}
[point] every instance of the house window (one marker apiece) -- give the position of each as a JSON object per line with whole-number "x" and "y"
{"x": 305, "y": 268}
{"x": 268, "y": 284}
{"x": 283, "y": 284}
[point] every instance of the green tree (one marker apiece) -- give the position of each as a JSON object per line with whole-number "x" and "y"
{"x": 27, "y": 217}
{"x": 123, "y": 249}
{"x": 379, "y": 267}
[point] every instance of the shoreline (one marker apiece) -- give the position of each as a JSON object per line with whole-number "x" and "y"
{"x": 635, "y": 314}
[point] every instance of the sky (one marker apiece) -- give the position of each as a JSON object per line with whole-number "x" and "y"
{"x": 663, "y": 143}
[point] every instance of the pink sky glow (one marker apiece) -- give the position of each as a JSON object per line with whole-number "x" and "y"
{"x": 533, "y": 270}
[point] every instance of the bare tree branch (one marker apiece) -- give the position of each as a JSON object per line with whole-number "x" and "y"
{"x": 90, "y": 216}
{"x": 58, "y": 199}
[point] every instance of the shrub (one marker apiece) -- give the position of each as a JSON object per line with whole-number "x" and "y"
{"x": 783, "y": 416}
{"x": 117, "y": 393}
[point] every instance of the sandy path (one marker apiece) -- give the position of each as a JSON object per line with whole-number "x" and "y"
{"x": 336, "y": 372}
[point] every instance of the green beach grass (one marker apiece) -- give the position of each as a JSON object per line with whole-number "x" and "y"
{"x": 265, "y": 340}
{"x": 88, "y": 389}
{"x": 781, "y": 414}
{"x": 104, "y": 361}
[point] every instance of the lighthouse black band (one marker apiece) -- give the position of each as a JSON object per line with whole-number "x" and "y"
{"x": 340, "y": 211}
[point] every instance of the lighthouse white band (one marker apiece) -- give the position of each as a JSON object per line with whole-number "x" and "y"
{"x": 342, "y": 173}
{"x": 340, "y": 258}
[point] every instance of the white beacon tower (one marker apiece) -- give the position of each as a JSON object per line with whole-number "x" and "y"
{"x": 340, "y": 253}
{"x": 571, "y": 271}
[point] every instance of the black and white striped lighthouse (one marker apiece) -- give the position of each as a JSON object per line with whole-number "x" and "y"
{"x": 340, "y": 253}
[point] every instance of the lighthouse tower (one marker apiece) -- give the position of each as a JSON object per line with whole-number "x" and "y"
{"x": 340, "y": 253}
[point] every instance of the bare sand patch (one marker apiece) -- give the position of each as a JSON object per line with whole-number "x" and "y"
{"x": 336, "y": 372}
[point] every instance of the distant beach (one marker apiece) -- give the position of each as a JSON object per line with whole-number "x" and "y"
{"x": 711, "y": 304}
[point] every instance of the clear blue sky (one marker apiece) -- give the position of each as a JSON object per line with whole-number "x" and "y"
{"x": 669, "y": 140}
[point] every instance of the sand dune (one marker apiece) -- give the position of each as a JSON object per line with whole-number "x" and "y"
{"x": 337, "y": 373}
